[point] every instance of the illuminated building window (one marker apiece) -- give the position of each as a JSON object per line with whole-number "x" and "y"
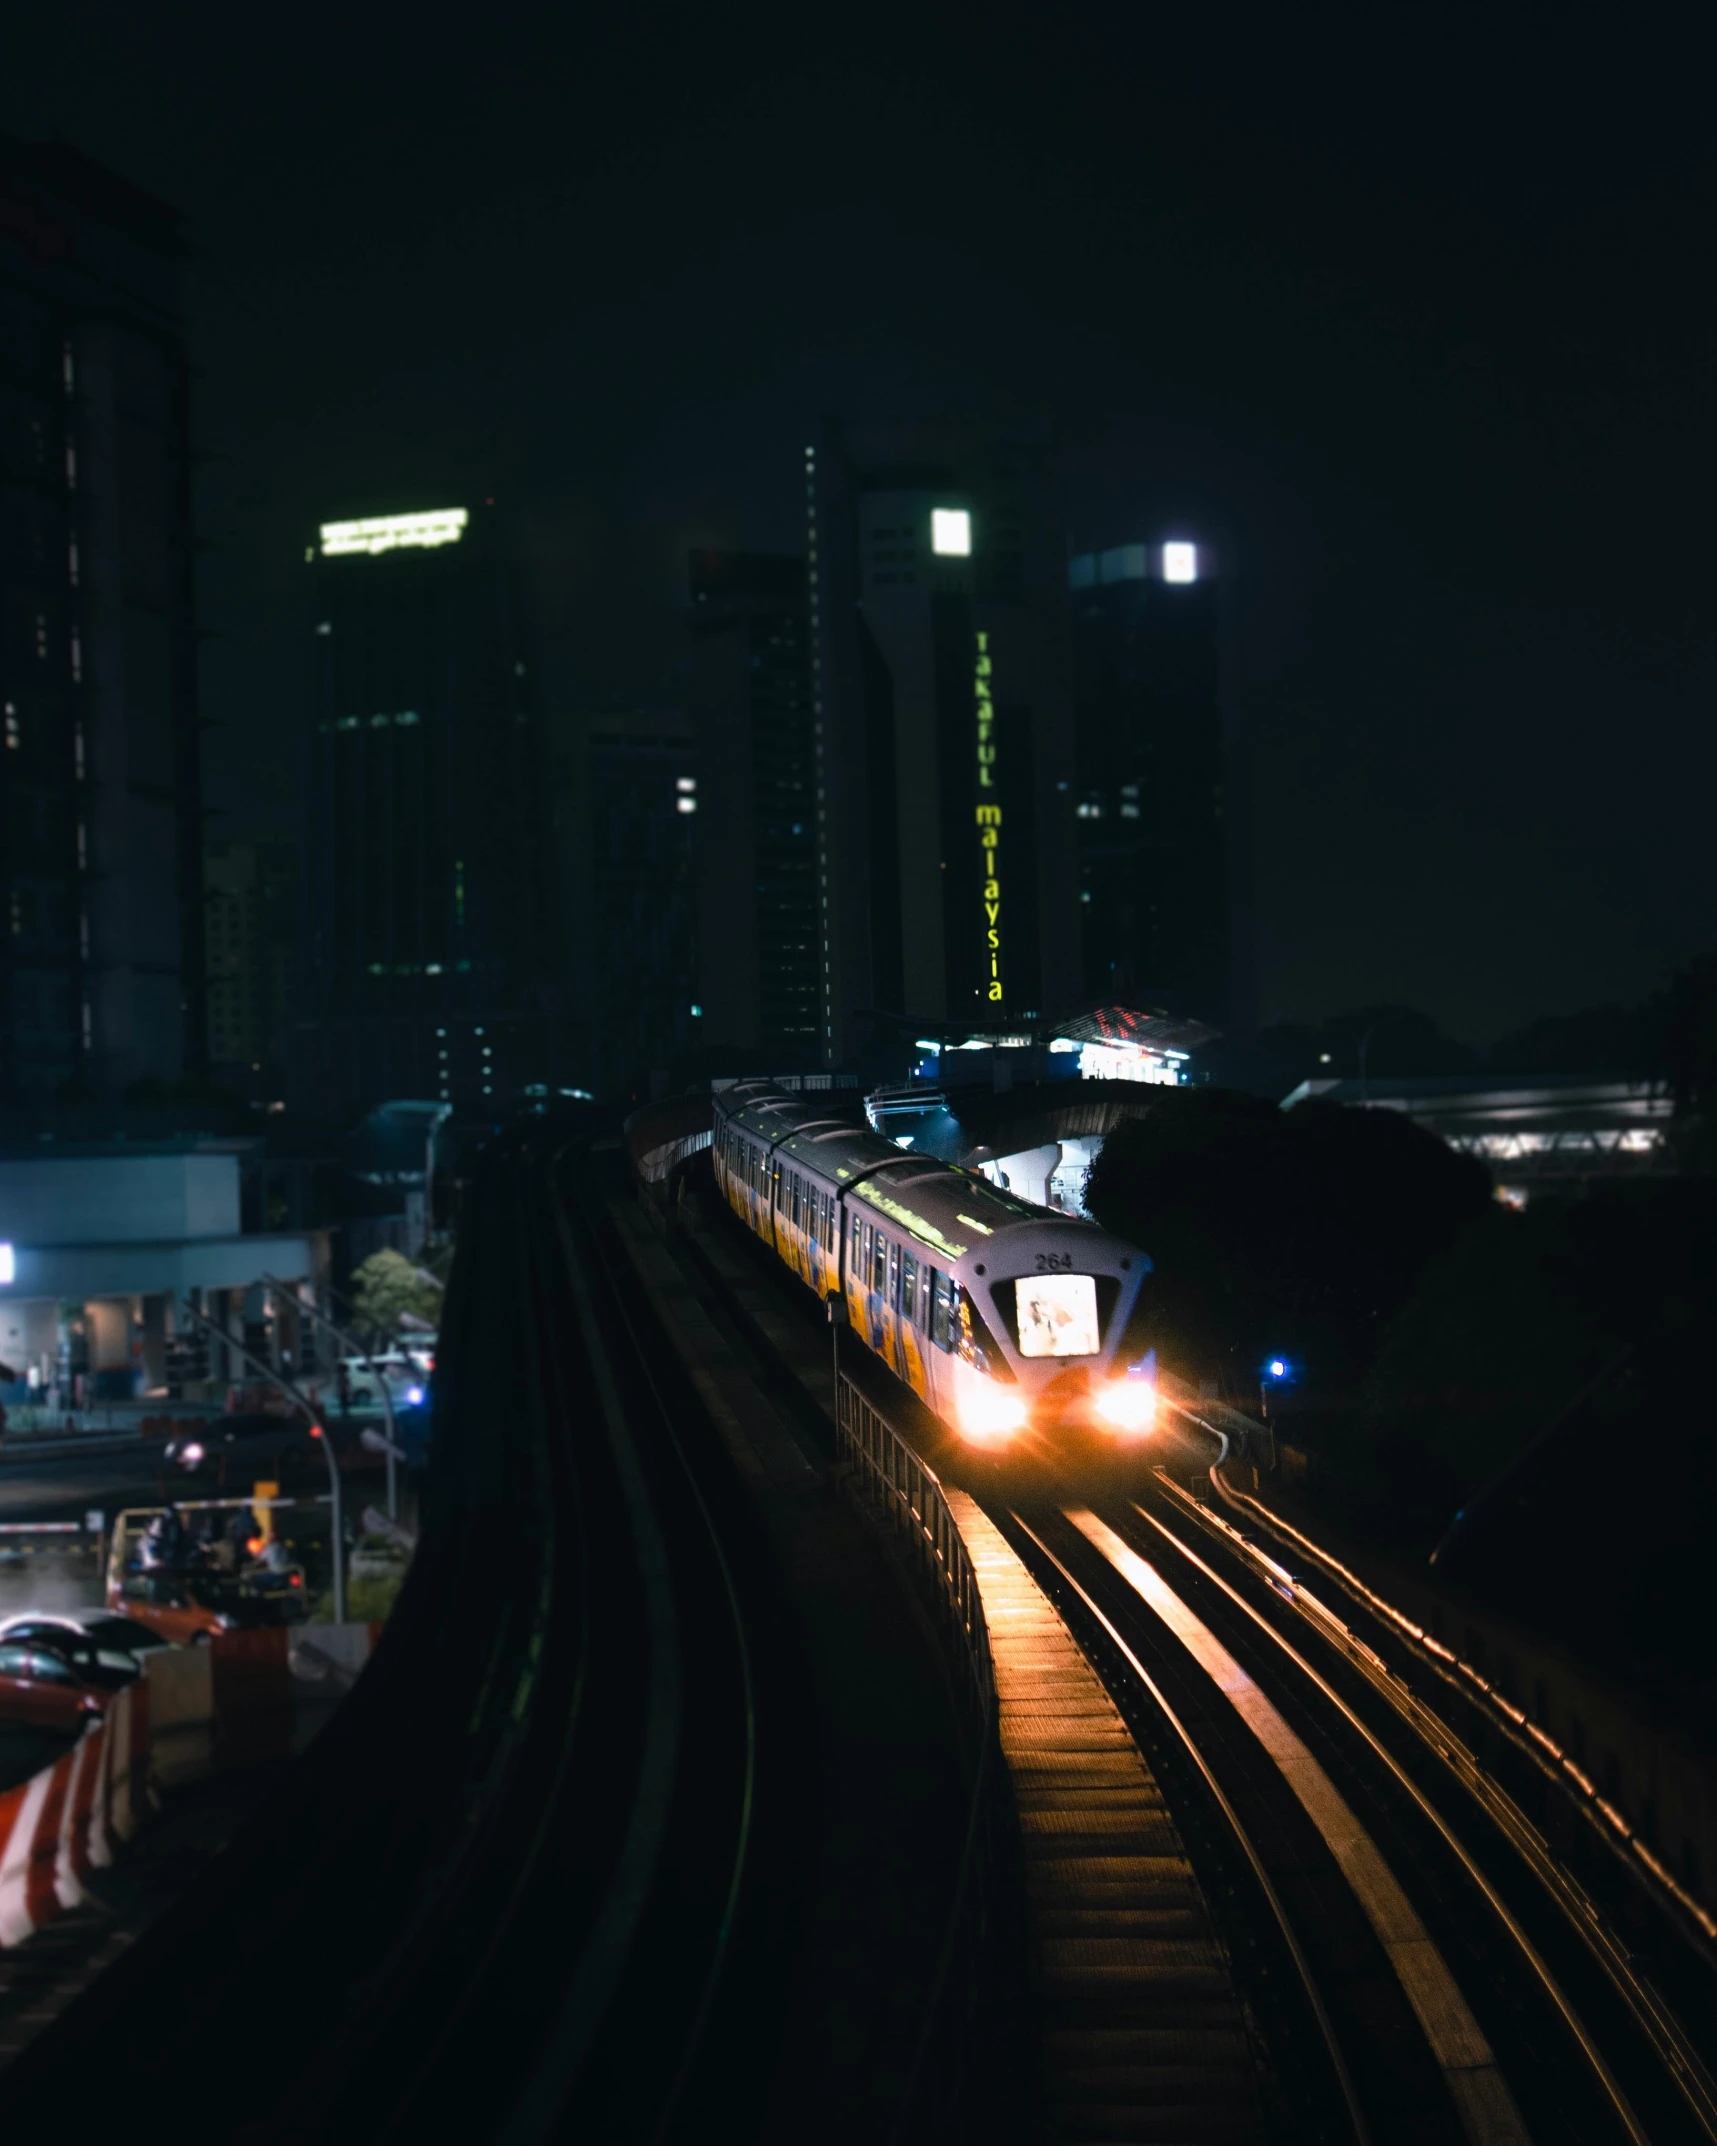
{"x": 686, "y": 804}
{"x": 1180, "y": 562}
{"x": 951, "y": 532}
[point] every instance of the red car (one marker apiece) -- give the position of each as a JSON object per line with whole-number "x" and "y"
{"x": 43, "y": 1688}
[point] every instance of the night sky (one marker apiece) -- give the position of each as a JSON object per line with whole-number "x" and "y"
{"x": 1407, "y": 311}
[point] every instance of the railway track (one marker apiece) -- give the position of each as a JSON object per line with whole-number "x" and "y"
{"x": 1418, "y": 1955}
{"x": 507, "y": 1887}
{"x": 1462, "y": 1997}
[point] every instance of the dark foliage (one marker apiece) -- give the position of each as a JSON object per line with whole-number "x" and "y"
{"x": 1601, "y": 1039}
{"x": 1373, "y": 1042}
{"x": 1680, "y": 1048}
{"x": 1299, "y": 1233}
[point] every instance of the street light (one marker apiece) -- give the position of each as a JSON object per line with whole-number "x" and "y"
{"x": 354, "y": 1348}
{"x": 317, "y": 1431}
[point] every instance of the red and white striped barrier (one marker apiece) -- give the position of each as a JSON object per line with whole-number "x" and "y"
{"x": 72, "y": 1816}
{"x": 247, "y": 1696}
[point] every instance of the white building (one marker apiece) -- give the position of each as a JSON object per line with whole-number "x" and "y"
{"x": 100, "y": 1246}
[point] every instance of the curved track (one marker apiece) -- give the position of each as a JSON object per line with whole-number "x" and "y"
{"x": 508, "y": 1884}
{"x": 1429, "y": 1949}
{"x": 1383, "y": 1861}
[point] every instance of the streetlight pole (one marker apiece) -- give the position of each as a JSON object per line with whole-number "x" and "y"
{"x": 353, "y": 1348}
{"x": 437, "y": 1121}
{"x": 320, "y": 1431}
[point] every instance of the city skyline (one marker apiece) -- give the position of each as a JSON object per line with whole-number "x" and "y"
{"x": 1365, "y": 377}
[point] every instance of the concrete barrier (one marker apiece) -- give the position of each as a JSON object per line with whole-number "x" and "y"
{"x": 244, "y": 1698}
{"x": 73, "y": 1816}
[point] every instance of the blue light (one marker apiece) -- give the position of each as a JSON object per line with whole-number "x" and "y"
{"x": 414, "y": 1396}
{"x": 1278, "y": 1369}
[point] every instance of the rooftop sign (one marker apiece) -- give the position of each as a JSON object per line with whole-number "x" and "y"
{"x": 394, "y": 532}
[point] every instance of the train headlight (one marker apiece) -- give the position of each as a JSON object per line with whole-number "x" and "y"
{"x": 992, "y": 1412}
{"x": 1128, "y": 1404}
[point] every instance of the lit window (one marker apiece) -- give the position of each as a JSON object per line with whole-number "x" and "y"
{"x": 951, "y": 532}
{"x": 685, "y": 784}
{"x": 686, "y": 804}
{"x": 697, "y": 1013}
{"x": 1180, "y": 562}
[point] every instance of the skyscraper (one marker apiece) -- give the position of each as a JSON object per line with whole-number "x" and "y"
{"x": 943, "y": 733}
{"x": 250, "y": 935}
{"x": 1160, "y": 811}
{"x": 100, "y": 797}
{"x": 638, "y": 965}
{"x": 750, "y": 699}
{"x": 433, "y": 959}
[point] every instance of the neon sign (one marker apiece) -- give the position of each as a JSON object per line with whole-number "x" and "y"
{"x": 989, "y": 819}
{"x": 393, "y": 532}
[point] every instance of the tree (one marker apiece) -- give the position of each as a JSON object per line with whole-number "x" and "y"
{"x": 1679, "y": 1028}
{"x": 1299, "y": 1232}
{"x": 387, "y": 1287}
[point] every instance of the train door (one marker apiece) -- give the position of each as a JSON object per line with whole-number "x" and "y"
{"x": 912, "y": 1355}
{"x": 891, "y": 1298}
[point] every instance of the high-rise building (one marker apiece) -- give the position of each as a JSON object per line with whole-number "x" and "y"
{"x": 759, "y": 969}
{"x": 639, "y": 952}
{"x": 1160, "y": 806}
{"x": 433, "y": 959}
{"x": 943, "y": 733}
{"x": 250, "y": 932}
{"x": 101, "y": 927}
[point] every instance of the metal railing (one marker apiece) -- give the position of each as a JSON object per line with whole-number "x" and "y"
{"x": 897, "y": 1483}
{"x": 966, "y": 2022}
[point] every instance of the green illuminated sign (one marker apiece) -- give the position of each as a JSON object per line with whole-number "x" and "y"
{"x": 989, "y": 819}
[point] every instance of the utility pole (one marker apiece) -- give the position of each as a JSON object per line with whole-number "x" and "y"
{"x": 318, "y": 1430}
{"x": 354, "y": 1348}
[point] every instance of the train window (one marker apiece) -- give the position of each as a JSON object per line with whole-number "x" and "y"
{"x": 1056, "y": 1315}
{"x": 908, "y": 1285}
{"x": 1066, "y": 1315}
{"x": 894, "y": 1275}
{"x": 941, "y": 1297}
{"x": 879, "y": 1267}
{"x": 856, "y": 1262}
{"x": 975, "y": 1342}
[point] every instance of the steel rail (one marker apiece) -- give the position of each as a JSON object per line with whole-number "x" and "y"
{"x": 637, "y": 1497}
{"x": 1243, "y": 1840}
{"x": 1662, "y": 2030}
{"x": 1552, "y": 1988}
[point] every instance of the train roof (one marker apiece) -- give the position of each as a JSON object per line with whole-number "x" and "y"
{"x": 946, "y": 1207}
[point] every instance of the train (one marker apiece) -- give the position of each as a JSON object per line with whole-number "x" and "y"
{"x": 1008, "y": 1320}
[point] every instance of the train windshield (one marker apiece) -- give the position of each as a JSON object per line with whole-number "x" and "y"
{"x": 1056, "y": 1315}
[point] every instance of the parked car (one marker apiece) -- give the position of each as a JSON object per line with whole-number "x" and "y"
{"x": 121, "y": 1640}
{"x": 43, "y": 1688}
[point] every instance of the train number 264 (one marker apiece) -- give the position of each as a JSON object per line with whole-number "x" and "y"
{"x": 1055, "y": 1262}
